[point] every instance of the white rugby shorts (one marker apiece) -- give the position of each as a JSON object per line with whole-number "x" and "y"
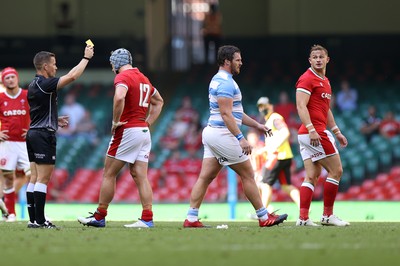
{"x": 134, "y": 144}
{"x": 222, "y": 145}
{"x": 326, "y": 148}
{"x": 14, "y": 156}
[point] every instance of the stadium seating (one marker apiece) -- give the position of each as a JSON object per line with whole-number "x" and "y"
{"x": 82, "y": 179}
{"x": 385, "y": 187}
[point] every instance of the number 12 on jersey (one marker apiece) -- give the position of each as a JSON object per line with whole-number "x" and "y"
{"x": 144, "y": 95}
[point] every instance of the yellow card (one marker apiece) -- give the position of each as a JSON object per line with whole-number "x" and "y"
{"x": 89, "y": 42}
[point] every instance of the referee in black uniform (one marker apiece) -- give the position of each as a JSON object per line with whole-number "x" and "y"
{"x": 41, "y": 137}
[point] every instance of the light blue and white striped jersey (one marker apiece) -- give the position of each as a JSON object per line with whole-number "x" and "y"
{"x": 223, "y": 85}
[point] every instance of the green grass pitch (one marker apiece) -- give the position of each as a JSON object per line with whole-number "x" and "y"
{"x": 372, "y": 239}
{"x": 243, "y": 243}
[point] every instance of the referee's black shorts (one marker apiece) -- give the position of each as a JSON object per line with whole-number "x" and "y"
{"x": 280, "y": 171}
{"x": 41, "y": 144}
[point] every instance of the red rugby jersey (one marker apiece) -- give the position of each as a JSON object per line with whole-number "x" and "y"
{"x": 137, "y": 100}
{"x": 320, "y": 93}
{"x": 14, "y": 114}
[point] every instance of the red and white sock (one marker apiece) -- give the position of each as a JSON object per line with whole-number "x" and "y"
{"x": 147, "y": 215}
{"x": 306, "y": 195}
{"x": 9, "y": 200}
{"x": 331, "y": 188}
{"x": 100, "y": 214}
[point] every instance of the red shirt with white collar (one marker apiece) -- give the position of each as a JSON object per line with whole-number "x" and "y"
{"x": 320, "y": 93}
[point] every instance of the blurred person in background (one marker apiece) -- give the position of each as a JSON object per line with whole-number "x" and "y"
{"x": 389, "y": 127}
{"x": 370, "y": 125}
{"x": 212, "y": 31}
{"x": 224, "y": 143}
{"x": 41, "y": 138}
{"x": 14, "y": 120}
{"x": 192, "y": 139}
{"x": 346, "y": 99}
{"x": 87, "y": 129}
{"x": 317, "y": 144}
{"x": 287, "y": 109}
{"x": 279, "y": 155}
{"x": 186, "y": 112}
{"x": 181, "y": 130}
{"x": 257, "y": 157}
{"x": 169, "y": 141}
{"x": 137, "y": 105}
{"x": 75, "y": 112}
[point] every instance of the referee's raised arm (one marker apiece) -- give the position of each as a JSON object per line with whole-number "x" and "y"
{"x": 77, "y": 71}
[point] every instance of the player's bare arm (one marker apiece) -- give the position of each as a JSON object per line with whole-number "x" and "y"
{"x": 330, "y": 119}
{"x": 278, "y": 139}
{"x": 156, "y": 104}
{"x": 77, "y": 71}
{"x": 118, "y": 107}
{"x": 302, "y": 99}
{"x": 336, "y": 130}
{"x": 250, "y": 122}
{"x": 301, "y": 104}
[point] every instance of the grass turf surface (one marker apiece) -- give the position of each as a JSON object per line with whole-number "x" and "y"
{"x": 243, "y": 243}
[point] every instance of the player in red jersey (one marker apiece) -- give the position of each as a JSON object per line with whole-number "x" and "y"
{"x": 14, "y": 118}
{"x": 3, "y": 207}
{"x": 137, "y": 105}
{"x": 317, "y": 144}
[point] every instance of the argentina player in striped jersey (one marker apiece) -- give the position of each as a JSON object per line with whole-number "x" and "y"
{"x": 224, "y": 143}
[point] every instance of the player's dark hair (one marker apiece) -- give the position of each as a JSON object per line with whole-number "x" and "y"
{"x": 226, "y": 52}
{"x": 41, "y": 58}
{"x": 317, "y": 47}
